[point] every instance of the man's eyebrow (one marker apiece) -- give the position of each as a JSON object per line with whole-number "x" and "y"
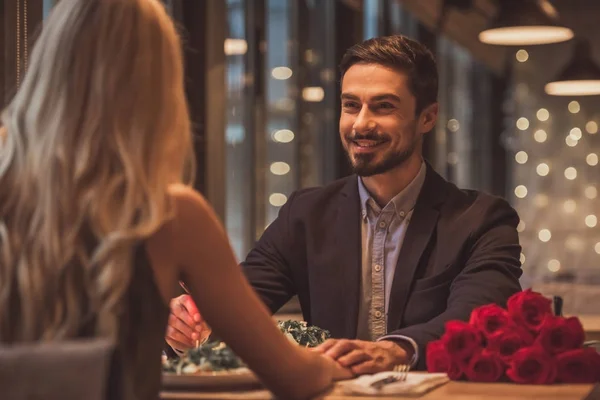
{"x": 378, "y": 97}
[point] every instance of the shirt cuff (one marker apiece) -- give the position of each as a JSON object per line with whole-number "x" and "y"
{"x": 415, "y": 356}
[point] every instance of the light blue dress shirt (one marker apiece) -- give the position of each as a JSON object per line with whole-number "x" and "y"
{"x": 382, "y": 232}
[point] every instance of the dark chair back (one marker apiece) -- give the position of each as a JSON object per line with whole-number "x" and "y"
{"x": 73, "y": 370}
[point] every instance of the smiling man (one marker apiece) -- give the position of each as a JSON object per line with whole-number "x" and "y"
{"x": 382, "y": 258}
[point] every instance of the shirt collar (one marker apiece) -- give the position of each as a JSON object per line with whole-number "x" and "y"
{"x": 403, "y": 202}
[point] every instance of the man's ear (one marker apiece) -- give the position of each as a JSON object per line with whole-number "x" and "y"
{"x": 428, "y": 118}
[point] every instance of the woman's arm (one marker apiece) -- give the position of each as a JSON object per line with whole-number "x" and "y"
{"x": 233, "y": 310}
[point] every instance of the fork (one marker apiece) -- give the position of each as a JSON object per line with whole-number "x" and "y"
{"x": 402, "y": 373}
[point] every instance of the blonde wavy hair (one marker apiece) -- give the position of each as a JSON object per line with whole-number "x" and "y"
{"x": 91, "y": 141}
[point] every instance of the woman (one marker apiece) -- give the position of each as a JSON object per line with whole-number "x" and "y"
{"x": 96, "y": 227}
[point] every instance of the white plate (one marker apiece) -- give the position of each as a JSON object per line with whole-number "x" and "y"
{"x": 241, "y": 378}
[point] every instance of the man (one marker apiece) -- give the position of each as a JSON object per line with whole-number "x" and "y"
{"x": 385, "y": 257}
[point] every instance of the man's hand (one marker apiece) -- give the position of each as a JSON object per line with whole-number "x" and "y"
{"x": 363, "y": 357}
{"x": 185, "y": 325}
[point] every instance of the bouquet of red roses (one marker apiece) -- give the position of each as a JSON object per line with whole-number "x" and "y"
{"x": 524, "y": 344}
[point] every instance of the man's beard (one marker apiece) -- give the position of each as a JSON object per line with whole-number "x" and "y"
{"x": 364, "y": 164}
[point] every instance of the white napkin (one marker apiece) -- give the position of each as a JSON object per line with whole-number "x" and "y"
{"x": 416, "y": 384}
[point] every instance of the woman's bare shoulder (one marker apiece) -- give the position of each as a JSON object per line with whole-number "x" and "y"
{"x": 192, "y": 210}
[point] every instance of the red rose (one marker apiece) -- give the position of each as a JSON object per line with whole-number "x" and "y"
{"x": 529, "y": 309}
{"x": 490, "y": 318}
{"x": 579, "y": 366}
{"x": 461, "y": 340}
{"x": 506, "y": 342}
{"x": 438, "y": 360}
{"x": 559, "y": 334}
{"x": 532, "y": 365}
{"x": 484, "y": 366}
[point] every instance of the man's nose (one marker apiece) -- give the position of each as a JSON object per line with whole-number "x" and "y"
{"x": 364, "y": 121}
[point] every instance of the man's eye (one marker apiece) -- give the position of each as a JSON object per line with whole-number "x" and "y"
{"x": 385, "y": 105}
{"x": 349, "y": 104}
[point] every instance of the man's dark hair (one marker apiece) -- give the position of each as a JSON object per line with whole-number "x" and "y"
{"x": 402, "y": 54}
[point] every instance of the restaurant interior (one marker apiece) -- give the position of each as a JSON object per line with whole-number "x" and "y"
{"x": 519, "y": 112}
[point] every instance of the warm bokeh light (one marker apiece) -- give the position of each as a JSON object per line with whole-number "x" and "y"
{"x": 283, "y": 136}
{"x": 591, "y": 127}
{"x": 521, "y": 157}
{"x": 542, "y": 169}
{"x": 570, "y": 173}
{"x": 277, "y": 199}
{"x": 453, "y": 125}
{"x": 521, "y": 226}
{"x": 544, "y": 235}
{"x": 591, "y": 221}
{"x": 575, "y": 133}
{"x": 543, "y": 114}
{"x": 313, "y": 94}
{"x": 570, "y": 141}
{"x": 540, "y": 136}
{"x": 570, "y": 206}
{"x": 592, "y": 159}
{"x": 541, "y": 200}
{"x": 235, "y": 47}
{"x": 525, "y": 35}
{"x": 522, "y": 258}
{"x": 591, "y": 192}
{"x": 522, "y": 55}
{"x": 574, "y": 107}
{"x": 280, "y": 168}
{"x": 597, "y": 248}
{"x": 281, "y": 73}
{"x": 588, "y": 87}
{"x": 553, "y": 265}
{"x": 520, "y": 191}
{"x": 522, "y": 123}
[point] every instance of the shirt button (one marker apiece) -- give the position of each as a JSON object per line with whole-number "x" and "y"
{"x": 402, "y": 214}
{"x": 377, "y": 268}
{"x": 382, "y": 224}
{"x": 378, "y": 314}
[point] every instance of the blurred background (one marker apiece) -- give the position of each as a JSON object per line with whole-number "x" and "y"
{"x": 519, "y": 96}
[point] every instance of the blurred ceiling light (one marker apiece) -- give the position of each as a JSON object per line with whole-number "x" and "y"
{"x": 522, "y": 123}
{"x": 522, "y": 258}
{"x": 553, "y": 265}
{"x": 591, "y": 221}
{"x": 597, "y": 248}
{"x": 574, "y": 107}
{"x": 592, "y": 159}
{"x": 521, "y": 157}
{"x": 279, "y": 168}
{"x": 591, "y": 192}
{"x": 283, "y": 136}
{"x": 235, "y": 47}
{"x": 277, "y": 199}
{"x": 521, "y": 226}
{"x": 452, "y": 158}
{"x": 591, "y": 127}
{"x": 542, "y": 169}
{"x": 544, "y": 235}
{"x": 574, "y": 243}
{"x": 581, "y": 76}
{"x": 281, "y": 73}
{"x": 543, "y": 114}
{"x": 524, "y": 22}
{"x": 570, "y": 173}
{"x": 522, "y": 55}
{"x": 313, "y": 94}
{"x": 521, "y": 191}
{"x": 571, "y": 142}
{"x": 540, "y": 136}
{"x": 570, "y": 206}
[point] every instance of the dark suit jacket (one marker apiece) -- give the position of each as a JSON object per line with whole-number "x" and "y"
{"x": 461, "y": 250}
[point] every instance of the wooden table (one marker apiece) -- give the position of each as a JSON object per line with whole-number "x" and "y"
{"x": 451, "y": 391}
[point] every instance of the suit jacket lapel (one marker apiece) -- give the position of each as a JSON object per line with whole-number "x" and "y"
{"x": 418, "y": 234}
{"x": 348, "y": 256}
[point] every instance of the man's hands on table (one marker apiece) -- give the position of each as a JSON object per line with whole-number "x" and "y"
{"x": 364, "y": 357}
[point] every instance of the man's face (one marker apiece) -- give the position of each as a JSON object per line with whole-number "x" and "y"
{"x": 378, "y": 126}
